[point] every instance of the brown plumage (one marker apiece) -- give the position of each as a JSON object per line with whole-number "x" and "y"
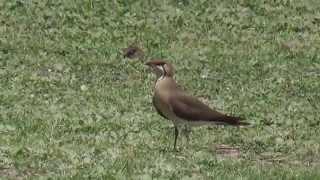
{"x": 172, "y": 103}
{"x": 191, "y": 109}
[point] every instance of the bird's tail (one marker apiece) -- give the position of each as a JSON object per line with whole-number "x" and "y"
{"x": 234, "y": 121}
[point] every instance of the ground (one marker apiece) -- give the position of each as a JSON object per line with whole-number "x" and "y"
{"x": 72, "y": 107}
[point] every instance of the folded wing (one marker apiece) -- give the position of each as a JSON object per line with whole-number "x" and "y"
{"x": 190, "y": 108}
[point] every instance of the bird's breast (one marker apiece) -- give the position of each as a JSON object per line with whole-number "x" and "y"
{"x": 161, "y": 103}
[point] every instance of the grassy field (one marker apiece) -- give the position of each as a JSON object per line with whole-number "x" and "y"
{"x": 72, "y": 107}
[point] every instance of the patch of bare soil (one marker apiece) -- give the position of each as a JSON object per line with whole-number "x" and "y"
{"x": 10, "y": 173}
{"x": 226, "y": 151}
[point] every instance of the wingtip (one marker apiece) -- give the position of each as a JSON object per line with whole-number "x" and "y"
{"x": 237, "y": 121}
{"x": 241, "y": 123}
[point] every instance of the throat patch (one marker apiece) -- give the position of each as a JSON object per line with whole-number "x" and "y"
{"x": 160, "y": 78}
{"x": 163, "y": 73}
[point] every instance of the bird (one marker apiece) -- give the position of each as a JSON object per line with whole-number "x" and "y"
{"x": 133, "y": 52}
{"x": 184, "y": 110}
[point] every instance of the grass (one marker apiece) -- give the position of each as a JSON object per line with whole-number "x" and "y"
{"x": 72, "y": 107}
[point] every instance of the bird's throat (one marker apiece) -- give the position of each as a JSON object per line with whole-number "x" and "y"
{"x": 162, "y": 74}
{"x": 160, "y": 78}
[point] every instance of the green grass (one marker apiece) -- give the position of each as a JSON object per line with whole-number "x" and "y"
{"x": 72, "y": 107}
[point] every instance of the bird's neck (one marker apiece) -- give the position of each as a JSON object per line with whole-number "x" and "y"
{"x": 161, "y": 77}
{"x": 165, "y": 83}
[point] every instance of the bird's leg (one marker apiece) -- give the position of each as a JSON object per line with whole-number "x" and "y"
{"x": 176, "y": 133}
{"x": 186, "y": 132}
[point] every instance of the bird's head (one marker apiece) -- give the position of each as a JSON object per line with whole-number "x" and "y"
{"x": 161, "y": 68}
